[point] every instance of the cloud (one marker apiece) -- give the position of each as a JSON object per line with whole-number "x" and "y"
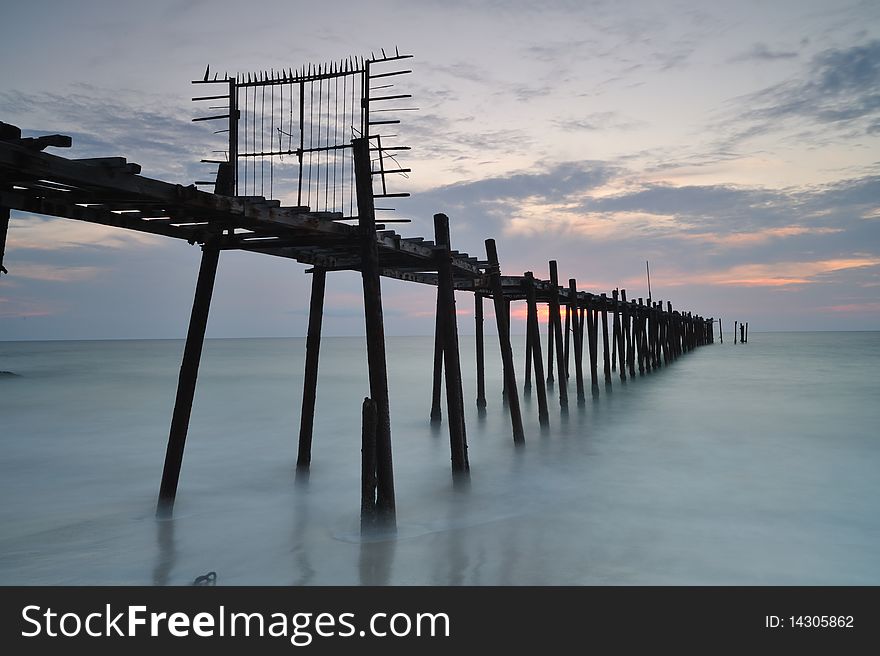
{"x": 761, "y": 52}
{"x": 779, "y": 274}
{"x": 148, "y": 129}
{"x": 51, "y": 273}
{"x": 29, "y": 232}
{"x": 840, "y": 88}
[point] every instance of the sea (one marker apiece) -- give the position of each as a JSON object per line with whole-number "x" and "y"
{"x": 737, "y": 464}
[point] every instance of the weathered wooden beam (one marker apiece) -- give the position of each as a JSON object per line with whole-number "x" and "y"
{"x": 375, "y": 329}
{"x": 369, "y": 425}
{"x": 606, "y": 360}
{"x": 452, "y": 363}
{"x": 592, "y": 336}
{"x": 481, "y": 353}
{"x": 186, "y": 384}
{"x": 556, "y": 322}
{"x": 504, "y": 341}
{"x": 310, "y": 378}
{"x": 534, "y": 352}
{"x": 578, "y": 341}
{"x": 437, "y": 372}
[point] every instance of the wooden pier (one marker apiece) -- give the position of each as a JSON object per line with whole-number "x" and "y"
{"x": 318, "y": 231}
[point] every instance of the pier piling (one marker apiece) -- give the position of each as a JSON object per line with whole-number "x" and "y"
{"x": 310, "y": 378}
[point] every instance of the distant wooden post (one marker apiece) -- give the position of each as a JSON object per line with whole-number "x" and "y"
{"x": 436, "y": 380}
{"x": 449, "y": 331}
{"x": 368, "y": 463}
{"x": 567, "y": 333}
{"x": 606, "y": 360}
{"x": 720, "y": 331}
{"x": 310, "y": 379}
{"x": 747, "y": 331}
{"x": 375, "y": 328}
{"x": 556, "y": 321}
{"x": 628, "y": 327}
{"x": 551, "y": 330}
{"x": 619, "y": 342}
{"x": 186, "y": 382}
{"x": 4, "y": 228}
{"x": 640, "y": 336}
{"x": 593, "y": 337}
{"x": 615, "y": 331}
{"x": 534, "y": 351}
{"x": 578, "y": 342}
{"x": 494, "y": 272}
{"x": 481, "y": 353}
{"x": 527, "y": 386}
{"x": 734, "y": 332}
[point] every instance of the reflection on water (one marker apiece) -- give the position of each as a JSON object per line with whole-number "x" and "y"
{"x": 747, "y": 464}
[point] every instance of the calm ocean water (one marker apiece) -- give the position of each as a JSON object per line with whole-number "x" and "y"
{"x": 746, "y": 464}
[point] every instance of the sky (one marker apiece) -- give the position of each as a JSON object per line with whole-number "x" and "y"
{"x": 733, "y": 145}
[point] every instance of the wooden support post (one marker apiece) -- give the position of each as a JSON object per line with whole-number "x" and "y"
{"x": 615, "y": 332}
{"x": 481, "y": 353}
{"x": 720, "y": 331}
{"x": 4, "y": 228}
{"x": 640, "y": 337}
{"x": 449, "y": 327}
{"x": 494, "y": 271}
{"x": 734, "y": 332}
{"x": 593, "y": 336}
{"x": 620, "y": 341}
{"x": 606, "y": 359}
{"x": 578, "y": 341}
{"x": 567, "y": 333}
{"x": 747, "y": 331}
{"x": 556, "y": 321}
{"x": 369, "y": 422}
{"x": 186, "y": 382}
{"x": 551, "y": 334}
{"x": 375, "y": 329}
{"x": 527, "y": 386}
{"x": 507, "y": 337}
{"x": 629, "y": 321}
{"x": 436, "y": 412}
{"x": 310, "y": 378}
{"x": 534, "y": 333}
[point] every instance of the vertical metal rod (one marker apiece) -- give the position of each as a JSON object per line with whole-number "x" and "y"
{"x": 302, "y": 140}
{"x": 233, "y": 134}
{"x": 310, "y": 378}
{"x": 186, "y": 383}
{"x": 494, "y": 272}
{"x": 375, "y": 329}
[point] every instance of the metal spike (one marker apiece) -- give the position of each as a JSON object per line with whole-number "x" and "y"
{"x": 206, "y": 72}
{"x": 396, "y": 51}
{"x": 215, "y": 76}
{"x": 384, "y": 56}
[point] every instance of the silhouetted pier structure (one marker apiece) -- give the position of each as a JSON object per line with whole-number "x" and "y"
{"x": 339, "y": 167}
